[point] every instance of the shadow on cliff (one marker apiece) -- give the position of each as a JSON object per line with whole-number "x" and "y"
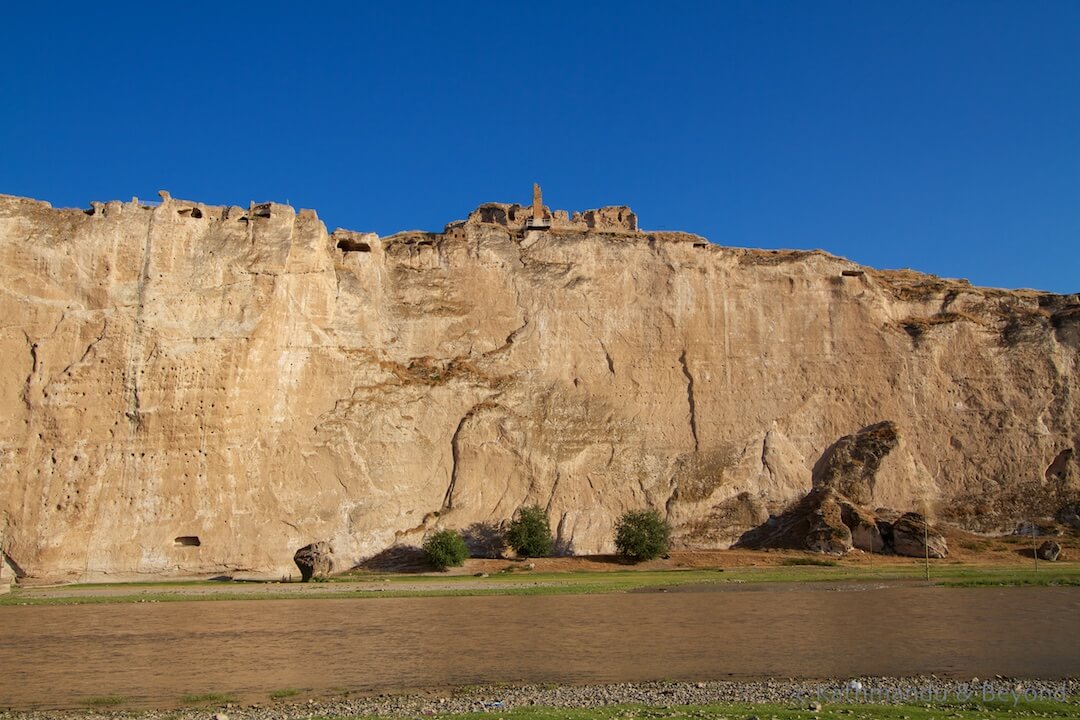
{"x": 397, "y": 559}
{"x": 16, "y": 569}
{"x": 485, "y": 539}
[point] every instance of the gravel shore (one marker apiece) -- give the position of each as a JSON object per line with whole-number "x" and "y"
{"x": 495, "y": 699}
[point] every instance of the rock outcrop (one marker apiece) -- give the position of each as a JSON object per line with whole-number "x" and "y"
{"x": 826, "y": 531}
{"x": 914, "y": 536}
{"x": 1069, "y": 515}
{"x": 1049, "y": 551}
{"x": 827, "y": 520}
{"x": 816, "y": 523}
{"x": 868, "y": 532}
{"x": 240, "y": 376}
{"x": 850, "y": 466}
{"x": 314, "y": 561}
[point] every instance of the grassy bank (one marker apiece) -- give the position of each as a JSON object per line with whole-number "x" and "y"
{"x": 524, "y": 582}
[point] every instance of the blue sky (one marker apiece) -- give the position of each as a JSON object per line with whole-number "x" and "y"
{"x": 939, "y": 136}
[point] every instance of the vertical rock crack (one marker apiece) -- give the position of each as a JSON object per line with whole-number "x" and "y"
{"x": 690, "y": 400}
{"x": 33, "y": 372}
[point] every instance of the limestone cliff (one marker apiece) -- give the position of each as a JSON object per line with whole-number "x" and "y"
{"x": 191, "y": 389}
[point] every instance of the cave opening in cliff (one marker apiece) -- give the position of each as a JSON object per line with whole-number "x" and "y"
{"x": 187, "y": 541}
{"x": 353, "y": 245}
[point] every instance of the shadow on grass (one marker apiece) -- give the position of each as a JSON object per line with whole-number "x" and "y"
{"x": 612, "y": 560}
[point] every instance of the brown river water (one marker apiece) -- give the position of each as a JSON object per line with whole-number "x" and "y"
{"x": 154, "y": 653}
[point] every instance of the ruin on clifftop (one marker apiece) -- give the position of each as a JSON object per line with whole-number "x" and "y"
{"x": 609, "y": 219}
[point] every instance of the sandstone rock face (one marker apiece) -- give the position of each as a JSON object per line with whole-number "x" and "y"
{"x": 912, "y": 536}
{"x": 240, "y": 376}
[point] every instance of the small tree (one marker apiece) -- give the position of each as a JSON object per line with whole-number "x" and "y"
{"x": 642, "y": 535}
{"x": 445, "y": 549}
{"x": 529, "y": 533}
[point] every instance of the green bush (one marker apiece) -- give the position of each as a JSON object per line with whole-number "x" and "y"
{"x": 642, "y": 535}
{"x": 529, "y": 533}
{"x": 445, "y": 549}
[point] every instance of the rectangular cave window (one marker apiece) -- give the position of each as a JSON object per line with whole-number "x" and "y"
{"x": 187, "y": 541}
{"x": 353, "y": 245}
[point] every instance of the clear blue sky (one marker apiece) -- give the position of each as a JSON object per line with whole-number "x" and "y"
{"x": 943, "y": 136}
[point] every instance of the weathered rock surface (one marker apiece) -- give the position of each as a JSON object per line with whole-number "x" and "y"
{"x": 1036, "y": 528}
{"x": 850, "y": 466}
{"x": 826, "y": 520}
{"x": 239, "y": 376}
{"x": 1049, "y": 551}
{"x": 866, "y": 529}
{"x": 1069, "y": 515}
{"x": 914, "y": 537}
{"x": 314, "y": 561}
{"x": 826, "y": 531}
{"x": 6, "y": 577}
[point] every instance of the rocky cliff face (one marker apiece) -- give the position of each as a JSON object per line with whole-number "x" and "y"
{"x": 190, "y": 389}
